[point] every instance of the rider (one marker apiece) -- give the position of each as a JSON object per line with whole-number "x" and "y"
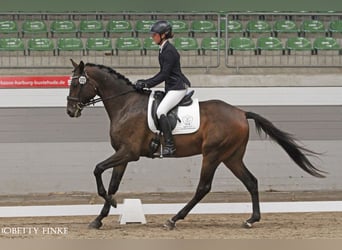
{"x": 176, "y": 83}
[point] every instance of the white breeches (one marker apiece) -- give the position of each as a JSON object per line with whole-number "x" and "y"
{"x": 171, "y": 99}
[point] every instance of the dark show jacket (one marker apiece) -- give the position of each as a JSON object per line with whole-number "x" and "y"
{"x": 170, "y": 70}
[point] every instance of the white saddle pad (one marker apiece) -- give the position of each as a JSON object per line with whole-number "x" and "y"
{"x": 189, "y": 116}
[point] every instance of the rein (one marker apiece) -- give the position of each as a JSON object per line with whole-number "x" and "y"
{"x": 96, "y": 100}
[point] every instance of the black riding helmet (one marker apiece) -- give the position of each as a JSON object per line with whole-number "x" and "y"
{"x": 162, "y": 27}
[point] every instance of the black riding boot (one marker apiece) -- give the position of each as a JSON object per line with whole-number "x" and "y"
{"x": 169, "y": 147}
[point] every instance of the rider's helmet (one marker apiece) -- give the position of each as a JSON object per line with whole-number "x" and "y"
{"x": 162, "y": 27}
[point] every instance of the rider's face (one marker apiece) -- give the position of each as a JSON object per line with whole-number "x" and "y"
{"x": 157, "y": 37}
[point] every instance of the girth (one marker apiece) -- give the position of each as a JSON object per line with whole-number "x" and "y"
{"x": 172, "y": 115}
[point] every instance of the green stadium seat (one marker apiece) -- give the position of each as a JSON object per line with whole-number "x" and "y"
{"x": 257, "y": 28}
{"x": 128, "y": 44}
{"x": 119, "y": 27}
{"x": 326, "y": 44}
{"x": 212, "y": 44}
{"x": 241, "y": 44}
{"x": 298, "y": 44}
{"x": 180, "y": 27}
{"x": 335, "y": 28}
{"x": 313, "y": 28}
{"x": 271, "y": 44}
{"x": 286, "y": 27}
{"x": 90, "y": 28}
{"x": 234, "y": 28}
{"x": 205, "y": 27}
{"x": 12, "y": 44}
{"x": 70, "y": 45}
{"x": 8, "y": 27}
{"x": 186, "y": 44}
{"x": 40, "y": 45}
{"x": 34, "y": 28}
{"x": 63, "y": 27}
{"x": 143, "y": 27}
{"x": 149, "y": 45}
{"x": 99, "y": 44}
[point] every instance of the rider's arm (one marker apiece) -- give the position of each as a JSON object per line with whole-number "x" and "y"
{"x": 169, "y": 60}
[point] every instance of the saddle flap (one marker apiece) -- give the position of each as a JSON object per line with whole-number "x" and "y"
{"x": 183, "y": 119}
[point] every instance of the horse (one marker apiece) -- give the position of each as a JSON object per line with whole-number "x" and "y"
{"x": 221, "y": 138}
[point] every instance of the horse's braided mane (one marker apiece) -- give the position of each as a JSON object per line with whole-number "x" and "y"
{"x": 111, "y": 71}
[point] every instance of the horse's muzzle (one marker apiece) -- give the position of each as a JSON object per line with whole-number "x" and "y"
{"x": 74, "y": 112}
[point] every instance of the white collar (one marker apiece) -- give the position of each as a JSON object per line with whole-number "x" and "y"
{"x": 162, "y": 45}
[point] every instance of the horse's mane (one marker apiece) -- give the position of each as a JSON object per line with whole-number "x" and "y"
{"x": 110, "y": 71}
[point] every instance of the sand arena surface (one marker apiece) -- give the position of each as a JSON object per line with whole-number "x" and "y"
{"x": 218, "y": 226}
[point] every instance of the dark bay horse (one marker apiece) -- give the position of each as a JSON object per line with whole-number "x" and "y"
{"x": 221, "y": 138}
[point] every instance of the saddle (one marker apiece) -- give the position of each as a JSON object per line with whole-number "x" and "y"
{"x": 172, "y": 115}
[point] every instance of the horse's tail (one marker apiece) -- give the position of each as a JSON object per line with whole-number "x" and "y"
{"x": 297, "y": 153}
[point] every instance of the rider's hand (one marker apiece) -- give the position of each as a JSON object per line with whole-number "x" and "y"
{"x": 140, "y": 85}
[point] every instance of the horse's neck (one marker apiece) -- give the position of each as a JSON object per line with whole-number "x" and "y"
{"x": 116, "y": 96}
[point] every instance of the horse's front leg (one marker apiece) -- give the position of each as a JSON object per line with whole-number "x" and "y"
{"x": 121, "y": 157}
{"x": 117, "y": 174}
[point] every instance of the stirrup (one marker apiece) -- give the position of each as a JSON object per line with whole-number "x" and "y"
{"x": 168, "y": 151}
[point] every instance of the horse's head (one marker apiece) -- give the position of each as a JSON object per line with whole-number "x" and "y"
{"x": 82, "y": 89}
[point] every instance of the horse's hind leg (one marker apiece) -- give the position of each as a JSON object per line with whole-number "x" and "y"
{"x": 251, "y": 183}
{"x": 115, "y": 180}
{"x": 209, "y": 166}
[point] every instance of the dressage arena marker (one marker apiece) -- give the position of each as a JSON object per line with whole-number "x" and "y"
{"x": 132, "y": 212}
{"x": 172, "y": 208}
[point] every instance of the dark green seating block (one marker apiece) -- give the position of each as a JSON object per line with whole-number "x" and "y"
{"x": 186, "y": 44}
{"x": 12, "y": 44}
{"x": 241, "y": 44}
{"x": 128, "y": 44}
{"x": 143, "y": 27}
{"x": 99, "y": 44}
{"x": 294, "y": 44}
{"x": 89, "y": 27}
{"x": 63, "y": 27}
{"x": 40, "y": 44}
{"x": 285, "y": 27}
{"x": 258, "y": 27}
{"x": 8, "y": 27}
{"x": 310, "y": 27}
{"x": 69, "y": 44}
{"x": 34, "y": 28}
{"x": 212, "y": 44}
{"x": 119, "y": 27}
{"x": 203, "y": 26}
{"x": 269, "y": 44}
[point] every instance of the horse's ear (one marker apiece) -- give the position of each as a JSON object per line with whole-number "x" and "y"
{"x": 81, "y": 66}
{"x": 73, "y": 63}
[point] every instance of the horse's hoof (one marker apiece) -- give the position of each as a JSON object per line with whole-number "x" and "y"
{"x": 247, "y": 224}
{"x": 95, "y": 225}
{"x": 113, "y": 203}
{"x": 170, "y": 225}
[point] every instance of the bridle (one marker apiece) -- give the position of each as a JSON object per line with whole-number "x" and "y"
{"x": 83, "y": 79}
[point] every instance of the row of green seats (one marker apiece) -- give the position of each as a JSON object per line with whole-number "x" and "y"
{"x": 291, "y": 44}
{"x": 104, "y": 44}
{"x": 181, "y": 43}
{"x": 39, "y": 27}
{"x": 97, "y": 26}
